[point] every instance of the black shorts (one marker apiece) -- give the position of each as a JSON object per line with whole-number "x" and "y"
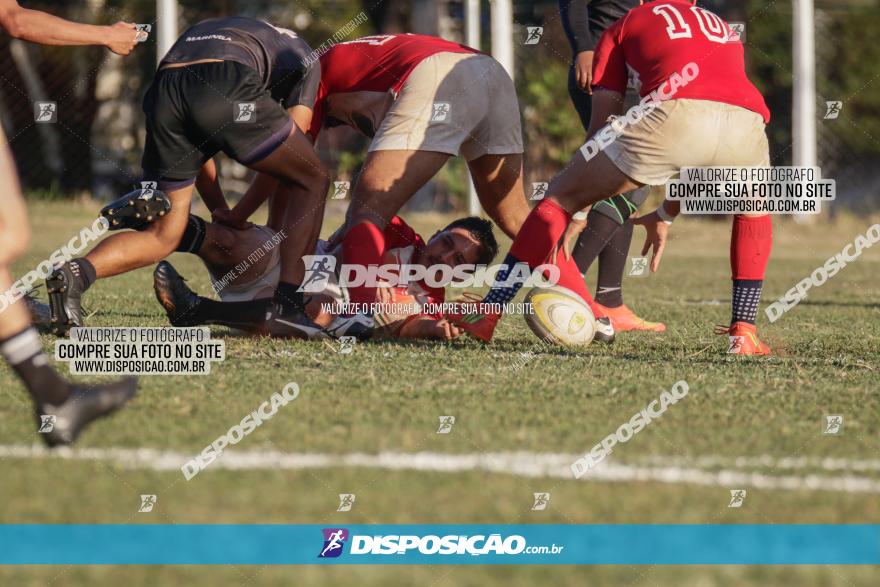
{"x": 196, "y": 111}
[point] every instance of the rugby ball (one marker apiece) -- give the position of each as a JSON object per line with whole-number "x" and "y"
{"x": 560, "y": 316}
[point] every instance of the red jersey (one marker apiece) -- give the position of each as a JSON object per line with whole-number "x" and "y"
{"x": 660, "y": 38}
{"x": 378, "y": 64}
{"x": 401, "y": 244}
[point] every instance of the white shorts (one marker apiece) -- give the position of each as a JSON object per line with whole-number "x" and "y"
{"x": 455, "y": 103}
{"x": 688, "y": 133}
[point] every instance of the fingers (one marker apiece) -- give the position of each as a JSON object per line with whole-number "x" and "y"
{"x": 450, "y": 331}
{"x": 647, "y": 245}
{"x": 658, "y": 253}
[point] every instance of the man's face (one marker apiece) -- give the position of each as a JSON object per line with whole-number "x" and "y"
{"x": 452, "y": 247}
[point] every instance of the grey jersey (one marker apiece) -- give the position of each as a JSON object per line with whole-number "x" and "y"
{"x": 279, "y": 55}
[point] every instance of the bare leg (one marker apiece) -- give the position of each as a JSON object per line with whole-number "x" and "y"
{"x": 388, "y": 180}
{"x": 16, "y": 317}
{"x": 498, "y": 181}
{"x": 132, "y": 250}
{"x": 583, "y": 183}
{"x": 303, "y": 184}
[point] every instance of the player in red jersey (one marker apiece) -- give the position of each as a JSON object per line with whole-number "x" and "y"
{"x": 709, "y": 114}
{"x": 421, "y": 99}
{"x": 245, "y": 265}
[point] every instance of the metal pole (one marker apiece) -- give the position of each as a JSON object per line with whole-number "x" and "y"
{"x": 472, "y": 23}
{"x": 166, "y": 26}
{"x": 472, "y": 39}
{"x": 804, "y": 91}
{"x": 502, "y": 33}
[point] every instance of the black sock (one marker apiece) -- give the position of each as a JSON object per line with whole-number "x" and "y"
{"x": 193, "y": 235}
{"x": 289, "y": 296}
{"x": 599, "y": 231}
{"x": 244, "y": 315}
{"x": 24, "y": 352}
{"x": 604, "y": 238}
{"x": 84, "y": 272}
{"x": 612, "y": 263}
{"x": 746, "y": 297}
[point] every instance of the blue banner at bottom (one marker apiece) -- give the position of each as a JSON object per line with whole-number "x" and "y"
{"x": 417, "y": 544}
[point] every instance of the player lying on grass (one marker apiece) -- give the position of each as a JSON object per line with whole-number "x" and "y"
{"x": 244, "y": 265}
{"x": 421, "y": 99}
{"x": 608, "y": 232}
{"x": 68, "y": 407}
{"x": 717, "y": 118}
{"x": 246, "y": 88}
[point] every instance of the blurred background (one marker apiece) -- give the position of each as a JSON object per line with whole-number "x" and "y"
{"x": 94, "y": 148}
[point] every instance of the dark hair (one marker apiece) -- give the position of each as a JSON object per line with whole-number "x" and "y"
{"x": 480, "y": 229}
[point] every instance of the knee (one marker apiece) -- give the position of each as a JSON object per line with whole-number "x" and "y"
{"x": 360, "y": 212}
{"x": 166, "y": 235}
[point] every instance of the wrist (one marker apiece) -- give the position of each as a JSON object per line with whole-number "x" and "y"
{"x": 664, "y": 215}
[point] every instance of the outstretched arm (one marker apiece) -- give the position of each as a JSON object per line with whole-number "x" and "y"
{"x": 41, "y": 27}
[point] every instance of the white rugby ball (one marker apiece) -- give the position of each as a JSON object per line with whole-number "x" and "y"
{"x": 560, "y": 316}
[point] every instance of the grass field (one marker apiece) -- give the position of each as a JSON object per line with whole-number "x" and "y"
{"x": 753, "y": 424}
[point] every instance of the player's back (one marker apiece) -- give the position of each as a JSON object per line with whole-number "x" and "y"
{"x": 278, "y": 55}
{"x": 379, "y": 62}
{"x": 660, "y": 38}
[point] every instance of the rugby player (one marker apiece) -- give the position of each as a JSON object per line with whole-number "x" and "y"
{"x": 606, "y": 233}
{"x": 717, "y": 119}
{"x": 69, "y": 407}
{"x": 244, "y": 265}
{"x": 421, "y": 99}
{"x": 246, "y": 88}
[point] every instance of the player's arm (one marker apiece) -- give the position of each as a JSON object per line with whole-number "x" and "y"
{"x": 208, "y": 184}
{"x": 575, "y": 19}
{"x": 41, "y": 27}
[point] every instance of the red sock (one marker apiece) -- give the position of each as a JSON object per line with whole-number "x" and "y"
{"x": 363, "y": 245}
{"x": 750, "y": 243}
{"x": 570, "y": 277}
{"x": 539, "y": 233}
{"x": 536, "y": 239}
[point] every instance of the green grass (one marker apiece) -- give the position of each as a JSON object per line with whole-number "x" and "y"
{"x": 387, "y": 397}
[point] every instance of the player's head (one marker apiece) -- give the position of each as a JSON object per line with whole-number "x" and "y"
{"x": 466, "y": 241}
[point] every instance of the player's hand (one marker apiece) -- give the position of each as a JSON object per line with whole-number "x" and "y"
{"x": 572, "y": 232}
{"x": 583, "y": 70}
{"x": 385, "y": 294}
{"x": 446, "y": 330}
{"x": 230, "y": 218}
{"x": 121, "y": 37}
{"x": 657, "y": 232}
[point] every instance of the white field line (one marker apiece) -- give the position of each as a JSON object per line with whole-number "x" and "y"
{"x": 700, "y": 471}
